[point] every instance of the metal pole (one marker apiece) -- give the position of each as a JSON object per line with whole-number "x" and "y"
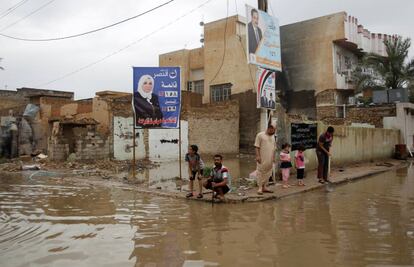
{"x": 133, "y": 150}
{"x": 179, "y": 149}
{"x": 262, "y": 5}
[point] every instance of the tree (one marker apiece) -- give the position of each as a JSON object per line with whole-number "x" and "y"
{"x": 386, "y": 72}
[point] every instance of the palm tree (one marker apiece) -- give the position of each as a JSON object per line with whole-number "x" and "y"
{"x": 389, "y": 72}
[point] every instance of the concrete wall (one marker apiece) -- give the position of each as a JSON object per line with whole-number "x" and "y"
{"x": 101, "y": 113}
{"x": 214, "y": 128}
{"x": 403, "y": 121}
{"x": 235, "y": 69}
{"x": 249, "y": 120}
{"x": 307, "y": 52}
{"x": 354, "y": 144}
{"x": 182, "y": 59}
{"x": 163, "y": 143}
{"x": 208, "y": 59}
{"x": 11, "y": 100}
{"x": 363, "y": 38}
{"x": 155, "y": 144}
{"x": 123, "y": 139}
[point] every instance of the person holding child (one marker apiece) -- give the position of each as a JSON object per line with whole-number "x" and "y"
{"x": 195, "y": 169}
{"x": 285, "y": 164}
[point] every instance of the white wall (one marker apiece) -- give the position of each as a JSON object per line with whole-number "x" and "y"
{"x": 161, "y": 142}
{"x": 363, "y": 38}
{"x": 404, "y": 122}
{"x": 123, "y": 139}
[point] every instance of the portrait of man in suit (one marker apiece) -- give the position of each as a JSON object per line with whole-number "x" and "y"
{"x": 254, "y": 31}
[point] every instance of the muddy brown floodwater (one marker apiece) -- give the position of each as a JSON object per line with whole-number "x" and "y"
{"x": 48, "y": 221}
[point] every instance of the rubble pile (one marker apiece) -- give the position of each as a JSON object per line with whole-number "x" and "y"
{"x": 89, "y": 168}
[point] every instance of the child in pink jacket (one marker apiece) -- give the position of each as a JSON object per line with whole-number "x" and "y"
{"x": 300, "y": 164}
{"x": 285, "y": 164}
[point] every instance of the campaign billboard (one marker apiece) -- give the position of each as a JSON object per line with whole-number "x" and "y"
{"x": 156, "y": 97}
{"x": 263, "y": 39}
{"x": 266, "y": 88}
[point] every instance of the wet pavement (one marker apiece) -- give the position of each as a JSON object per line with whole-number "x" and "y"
{"x": 52, "y": 221}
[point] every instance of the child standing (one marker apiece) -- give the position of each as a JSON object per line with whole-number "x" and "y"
{"x": 285, "y": 164}
{"x": 300, "y": 164}
{"x": 195, "y": 168}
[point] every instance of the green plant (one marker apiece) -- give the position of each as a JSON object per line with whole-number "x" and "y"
{"x": 207, "y": 171}
{"x": 395, "y": 70}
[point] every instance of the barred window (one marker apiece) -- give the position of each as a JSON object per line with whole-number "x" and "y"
{"x": 199, "y": 87}
{"x": 220, "y": 92}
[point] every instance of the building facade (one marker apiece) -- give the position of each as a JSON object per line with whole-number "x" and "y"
{"x": 219, "y": 72}
{"x": 318, "y": 58}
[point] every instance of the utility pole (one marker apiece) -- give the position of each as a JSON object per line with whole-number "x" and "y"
{"x": 264, "y": 120}
{"x": 262, "y": 5}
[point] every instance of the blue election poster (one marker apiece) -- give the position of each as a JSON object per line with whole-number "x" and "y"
{"x": 156, "y": 97}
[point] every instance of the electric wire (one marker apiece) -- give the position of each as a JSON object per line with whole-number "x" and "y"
{"x": 88, "y": 32}
{"x": 224, "y": 45}
{"x": 13, "y": 8}
{"x": 28, "y": 15}
{"x": 125, "y": 47}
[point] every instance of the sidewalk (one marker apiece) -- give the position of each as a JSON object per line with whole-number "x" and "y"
{"x": 242, "y": 193}
{"x": 338, "y": 176}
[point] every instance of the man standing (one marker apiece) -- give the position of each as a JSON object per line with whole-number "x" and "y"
{"x": 265, "y": 145}
{"x": 254, "y": 32}
{"x": 323, "y": 154}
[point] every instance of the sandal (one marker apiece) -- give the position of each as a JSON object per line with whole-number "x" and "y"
{"x": 321, "y": 181}
{"x": 189, "y": 195}
{"x": 199, "y": 196}
{"x": 259, "y": 192}
{"x": 267, "y": 191}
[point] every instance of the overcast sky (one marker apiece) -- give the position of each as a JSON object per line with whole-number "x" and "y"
{"x": 36, "y": 64}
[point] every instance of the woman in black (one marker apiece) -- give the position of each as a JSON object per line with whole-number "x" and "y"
{"x": 147, "y": 107}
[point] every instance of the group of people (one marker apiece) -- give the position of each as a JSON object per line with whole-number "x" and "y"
{"x": 265, "y": 146}
{"x": 219, "y": 175}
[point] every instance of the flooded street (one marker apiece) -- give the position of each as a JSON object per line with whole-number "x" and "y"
{"x": 50, "y": 222}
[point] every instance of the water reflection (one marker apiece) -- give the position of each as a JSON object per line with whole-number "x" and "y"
{"x": 54, "y": 222}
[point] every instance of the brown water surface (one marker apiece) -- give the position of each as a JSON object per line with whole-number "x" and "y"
{"x": 47, "y": 221}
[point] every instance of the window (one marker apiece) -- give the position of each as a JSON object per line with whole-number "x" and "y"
{"x": 220, "y": 92}
{"x": 199, "y": 87}
{"x": 189, "y": 86}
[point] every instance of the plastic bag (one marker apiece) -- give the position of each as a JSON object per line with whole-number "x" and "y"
{"x": 31, "y": 111}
